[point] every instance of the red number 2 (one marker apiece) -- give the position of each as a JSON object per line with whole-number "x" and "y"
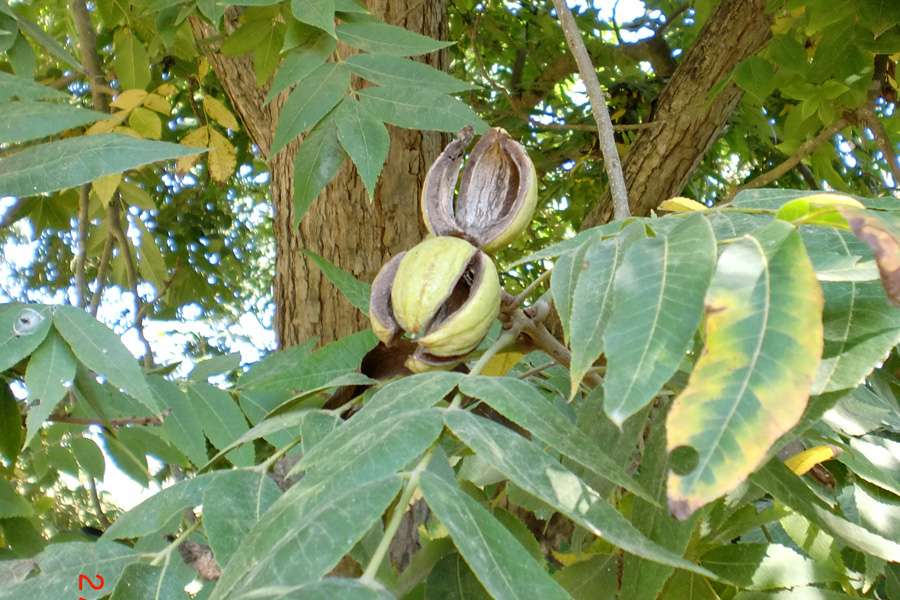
{"x": 82, "y": 578}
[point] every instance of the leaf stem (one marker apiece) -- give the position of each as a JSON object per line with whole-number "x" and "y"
{"x": 394, "y": 524}
{"x": 164, "y": 553}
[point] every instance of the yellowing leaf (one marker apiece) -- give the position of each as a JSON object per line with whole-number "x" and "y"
{"x": 127, "y": 131}
{"x": 219, "y": 113}
{"x": 167, "y": 89}
{"x": 502, "y": 362}
{"x": 802, "y": 462}
{"x": 136, "y": 196}
{"x": 106, "y": 186}
{"x": 817, "y": 209}
{"x": 567, "y": 559}
{"x": 158, "y": 103}
{"x": 751, "y": 382}
{"x": 128, "y": 99}
{"x": 198, "y": 138}
{"x": 202, "y": 68}
{"x": 681, "y": 204}
{"x": 884, "y": 241}
{"x": 109, "y": 124}
{"x": 222, "y": 156}
{"x": 146, "y": 123}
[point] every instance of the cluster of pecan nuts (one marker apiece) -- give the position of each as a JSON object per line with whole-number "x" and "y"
{"x": 444, "y": 293}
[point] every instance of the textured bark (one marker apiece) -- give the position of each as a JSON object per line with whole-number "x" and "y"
{"x": 662, "y": 159}
{"x": 342, "y": 225}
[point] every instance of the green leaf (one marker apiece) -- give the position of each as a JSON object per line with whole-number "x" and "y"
{"x": 24, "y": 121}
{"x": 797, "y": 593}
{"x": 217, "y": 365}
{"x": 22, "y": 329}
{"x": 402, "y": 400}
{"x": 266, "y": 53}
{"x": 536, "y": 472}
{"x": 521, "y": 403}
{"x": 592, "y": 303}
{"x": 48, "y": 42}
{"x": 154, "y": 513}
{"x": 503, "y": 566}
{"x": 350, "y": 6}
{"x": 657, "y": 305}
{"x": 181, "y": 425}
{"x": 147, "y": 582}
{"x": 221, "y": 419}
{"x": 861, "y": 325}
{"x": 766, "y": 566}
{"x": 11, "y": 503}
{"x": 300, "y": 62}
{"x": 50, "y": 374}
{"x": 874, "y": 459}
{"x": 132, "y": 464}
{"x": 293, "y": 371}
{"x": 365, "y": 139}
{"x": 304, "y": 534}
{"x": 419, "y": 108}
{"x": 102, "y": 351}
{"x": 643, "y": 579}
{"x": 89, "y": 457}
{"x": 784, "y": 486}
{"x": 66, "y": 163}
{"x": 331, "y": 588}
{"x": 307, "y": 104}
{"x": 61, "y": 564}
{"x": 592, "y": 579}
{"x": 150, "y": 440}
{"x": 130, "y": 60}
{"x": 689, "y": 586}
{"x": 355, "y": 291}
{"x": 751, "y": 382}
{"x": 232, "y": 504}
{"x": 563, "y": 280}
{"x": 381, "y": 38}
{"x": 392, "y": 70}
{"x": 756, "y": 76}
{"x": 11, "y": 430}
{"x": 317, "y": 162}
{"x": 21, "y": 57}
{"x": 25, "y": 89}
{"x": 318, "y": 13}
{"x": 62, "y": 459}
{"x": 452, "y": 579}
{"x": 263, "y": 429}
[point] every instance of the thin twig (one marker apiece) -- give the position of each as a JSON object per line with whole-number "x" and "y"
{"x": 115, "y": 227}
{"x": 87, "y": 40}
{"x": 528, "y": 290}
{"x": 588, "y": 127}
{"x": 80, "y": 258}
{"x": 120, "y": 422}
{"x": 805, "y": 149}
{"x": 611, "y": 161}
{"x": 391, "y": 529}
{"x": 102, "y": 268}
{"x": 537, "y": 370}
{"x": 14, "y": 213}
{"x": 884, "y": 143}
{"x": 95, "y": 499}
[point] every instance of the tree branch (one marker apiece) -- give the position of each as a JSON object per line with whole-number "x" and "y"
{"x": 883, "y": 141}
{"x": 805, "y": 149}
{"x": 599, "y": 109}
{"x": 115, "y": 227}
{"x": 121, "y": 422}
{"x": 81, "y": 256}
{"x": 102, "y": 268}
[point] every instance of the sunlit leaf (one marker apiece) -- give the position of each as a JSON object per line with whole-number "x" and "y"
{"x": 502, "y": 565}
{"x": 657, "y": 304}
{"x": 66, "y": 163}
{"x": 751, "y": 382}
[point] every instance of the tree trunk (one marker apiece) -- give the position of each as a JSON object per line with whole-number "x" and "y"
{"x": 662, "y": 158}
{"x": 341, "y": 225}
